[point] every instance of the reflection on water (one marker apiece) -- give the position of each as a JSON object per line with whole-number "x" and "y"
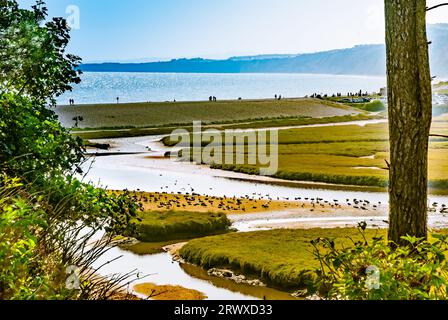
{"x": 264, "y": 293}
{"x": 162, "y": 270}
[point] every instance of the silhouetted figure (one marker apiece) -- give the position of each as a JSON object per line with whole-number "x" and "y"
{"x": 210, "y": 99}
{"x": 118, "y": 100}
{"x": 275, "y": 97}
{"x": 279, "y": 97}
{"x": 214, "y": 99}
{"x": 77, "y": 119}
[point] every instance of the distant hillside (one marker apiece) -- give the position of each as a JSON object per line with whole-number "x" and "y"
{"x": 360, "y": 60}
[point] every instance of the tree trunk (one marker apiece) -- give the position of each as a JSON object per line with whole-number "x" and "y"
{"x": 410, "y": 115}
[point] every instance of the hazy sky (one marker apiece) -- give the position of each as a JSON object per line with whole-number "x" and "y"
{"x": 135, "y": 29}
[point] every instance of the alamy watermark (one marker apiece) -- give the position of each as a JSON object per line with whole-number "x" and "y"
{"x": 373, "y": 281}
{"x": 257, "y": 148}
{"x": 72, "y": 282}
{"x": 73, "y": 17}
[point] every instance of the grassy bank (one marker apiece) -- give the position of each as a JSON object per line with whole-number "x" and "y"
{"x": 120, "y": 132}
{"x": 281, "y": 258}
{"x": 349, "y": 155}
{"x": 149, "y": 248}
{"x": 173, "y": 225}
{"x": 373, "y": 106}
{"x": 166, "y": 113}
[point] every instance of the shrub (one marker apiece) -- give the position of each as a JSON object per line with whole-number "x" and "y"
{"x": 48, "y": 219}
{"x": 22, "y": 273}
{"x": 33, "y": 144}
{"x": 418, "y": 271}
{"x": 40, "y": 237}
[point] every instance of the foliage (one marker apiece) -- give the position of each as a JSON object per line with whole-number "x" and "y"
{"x": 34, "y": 69}
{"x": 416, "y": 271}
{"x": 373, "y": 106}
{"x": 32, "y": 142}
{"x": 33, "y": 60}
{"x": 91, "y": 205}
{"x": 22, "y": 275}
{"x": 49, "y": 220}
{"x": 29, "y": 271}
{"x": 39, "y": 240}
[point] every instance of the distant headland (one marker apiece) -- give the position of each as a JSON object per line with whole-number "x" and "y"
{"x": 359, "y": 60}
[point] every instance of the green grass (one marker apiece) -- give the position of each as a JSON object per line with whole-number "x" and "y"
{"x": 162, "y": 114}
{"x": 137, "y": 119}
{"x": 281, "y": 258}
{"x": 148, "y": 248}
{"x": 343, "y": 155}
{"x": 173, "y": 225}
{"x": 120, "y": 132}
{"x": 373, "y": 106}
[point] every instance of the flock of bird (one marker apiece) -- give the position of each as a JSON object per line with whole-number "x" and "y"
{"x": 436, "y": 208}
{"x": 255, "y": 202}
{"x": 179, "y": 201}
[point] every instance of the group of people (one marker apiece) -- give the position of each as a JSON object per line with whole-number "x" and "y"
{"x": 278, "y": 97}
{"x": 72, "y": 102}
{"x": 358, "y": 94}
{"x": 338, "y": 95}
{"x": 212, "y": 99}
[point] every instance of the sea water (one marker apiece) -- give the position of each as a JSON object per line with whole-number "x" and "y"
{"x": 159, "y": 87}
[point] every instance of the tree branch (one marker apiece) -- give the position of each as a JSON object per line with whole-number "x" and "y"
{"x": 438, "y": 136}
{"x": 437, "y": 6}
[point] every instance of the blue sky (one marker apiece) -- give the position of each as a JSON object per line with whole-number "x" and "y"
{"x": 135, "y": 29}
